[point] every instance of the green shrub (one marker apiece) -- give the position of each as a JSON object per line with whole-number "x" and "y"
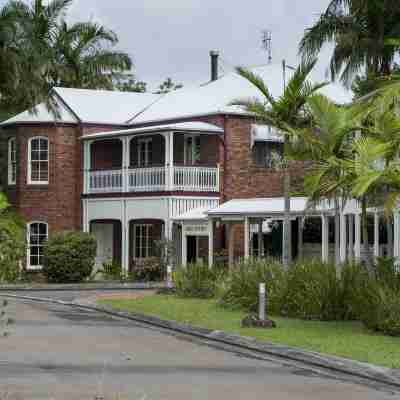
{"x": 69, "y": 257}
{"x": 12, "y": 245}
{"x": 381, "y": 309}
{"x": 111, "y": 271}
{"x": 240, "y": 288}
{"x": 147, "y": 269}
{"x": 313, "y": 292}
{"x": 197, "y": 281}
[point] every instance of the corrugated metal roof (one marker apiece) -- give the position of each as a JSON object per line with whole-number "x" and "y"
{"x": 126, "y": 108}
{"x": 184, "y": 127}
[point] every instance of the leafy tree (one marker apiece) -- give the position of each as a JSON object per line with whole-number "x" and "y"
{"x": 168, "y": 86}
{"x": 325, "y": 143}
{"x": 359, "y": 30}
{"x": 284, "y": 113}
{"x": 128, "y": 83}
{"x": 39, "y": 50}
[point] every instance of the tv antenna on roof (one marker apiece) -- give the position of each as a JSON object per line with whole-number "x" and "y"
{"x": 267, "y": 44}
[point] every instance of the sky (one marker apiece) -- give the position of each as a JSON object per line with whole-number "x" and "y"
{"x": 173, "y": 38}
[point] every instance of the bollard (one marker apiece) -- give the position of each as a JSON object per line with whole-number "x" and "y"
{"x": 169, "y": 276}
{"x": 261, "y": 302}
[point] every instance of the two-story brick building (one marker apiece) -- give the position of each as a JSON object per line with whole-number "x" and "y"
{"x": 125, "y": 165}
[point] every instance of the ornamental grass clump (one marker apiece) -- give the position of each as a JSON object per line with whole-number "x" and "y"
{"x": 239, "y": 289}
{"x": 313, "y": 292}
{"x": 197, "y": 281}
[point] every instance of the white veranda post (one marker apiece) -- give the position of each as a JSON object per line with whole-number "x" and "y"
{"x": 246, "y": 238}
{"x": 343, "y": 238}
{"x": 376, "y": 235}
{"x": 210, "y": 243}
{"x": 357, "y": 244}
{"x": 325, "y": 238}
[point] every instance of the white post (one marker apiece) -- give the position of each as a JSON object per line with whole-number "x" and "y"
{"x": 210, "y": 243}
{"x": 125, "y": 241}
{"x": 86, "y": 166}
{"x": 125, "y": 163}
{"x": 231, "y": 244}
{"x": 171, "y": 161}
{"x": 357, "y": 244}
{"x": 343, "y": 238}
{"x": 376, "y": 234}
{"x": 325, "y": 238}
{"x": 260, "y": 240}
{"x": 246, "y": 238}
{"x": 184, "y": 248}
{"x": 396, "y": 236}
{"x": 351, "y": 238}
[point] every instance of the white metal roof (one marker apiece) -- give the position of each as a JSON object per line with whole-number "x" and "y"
{"x": 264, "y": 133}
{"x": 197, "y": 214}
{"x": 126, "y": 108}
{"x": 184, "y": 127}
{"x": 264, "y": 207}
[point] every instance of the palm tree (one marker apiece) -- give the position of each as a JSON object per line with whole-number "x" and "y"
{"x": 358, "y": 29}
{"x": 83, "y": 59}
{"x": 38, "y": 50}
{"x": 325, "y": 143}
{"x": 284, "y": 114}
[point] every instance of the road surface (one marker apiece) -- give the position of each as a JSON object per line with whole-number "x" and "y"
{"x": 55, "y": 352}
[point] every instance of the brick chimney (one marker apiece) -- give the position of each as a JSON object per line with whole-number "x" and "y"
{"x": 214, "y": 65}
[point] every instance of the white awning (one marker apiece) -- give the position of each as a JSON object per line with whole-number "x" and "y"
{"x": 264, "y": 133}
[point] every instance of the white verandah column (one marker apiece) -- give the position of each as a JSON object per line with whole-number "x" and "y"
{"x": 210, "y": 243}
{"x": 246, "y": 238}
{"x": 376, "y": 234}
{"x": 325, "y": 238}
{"x": 87, "y": 162}
{"x": 357, "y": 244}
{"x": 351, "y": 238}
{"x": 231, "y": 244}
{"x": 396, "y": 237}
{"x": 343, "y": 238}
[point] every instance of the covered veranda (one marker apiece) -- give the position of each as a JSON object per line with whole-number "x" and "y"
{"x": 248, "y": 224}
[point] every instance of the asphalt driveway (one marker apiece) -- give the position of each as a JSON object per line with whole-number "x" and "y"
{"x": 55, "y": 352}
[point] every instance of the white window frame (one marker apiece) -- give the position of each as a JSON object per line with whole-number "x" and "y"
{"x": 30, "y": 181}
{"x": 12, "y": 161}
{"x": 29, "y": 246}
{"x": 147, "y": 238}
{"x": 147, "y": 158}
{"x": 194, "y": 157}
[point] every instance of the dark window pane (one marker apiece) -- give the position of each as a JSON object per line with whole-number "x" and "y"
{"x": 42, "y": 229}
{"x": 35, "y": 144}
{"x": 35, "y": 155}
{"x": 43, "y": 144}
{"x": 34, "y": 261}
{"x": 43, "y": 155}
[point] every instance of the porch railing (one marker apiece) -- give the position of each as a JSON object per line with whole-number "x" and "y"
{"x": 154, "y": 179}
{"x": 105, "y": 181}
{"x": 147, "y": 179}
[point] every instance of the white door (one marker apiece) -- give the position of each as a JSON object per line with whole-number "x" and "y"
{"x": 104, "y": 234}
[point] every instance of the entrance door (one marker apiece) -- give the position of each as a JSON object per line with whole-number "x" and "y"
{"x": 104, "y": 234}
{"x": 191, "y": 249}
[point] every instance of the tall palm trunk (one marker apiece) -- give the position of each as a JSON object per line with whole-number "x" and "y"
{"x": 365, "y": 244}
{"x": 287, "y": 234}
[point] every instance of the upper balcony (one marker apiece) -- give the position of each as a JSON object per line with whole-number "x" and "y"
{"x": 172, "y": 161}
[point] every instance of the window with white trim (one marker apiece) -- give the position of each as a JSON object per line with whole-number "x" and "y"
{"x": 145, "y": 152}
{"x": 192, "y": 149}
{"x": 12, "y": 161}
{"x": 143, "y": 241}
{"x": 268, "y": 154}
{"x": 38, "y": 161}
{"x": 37, "y": 234}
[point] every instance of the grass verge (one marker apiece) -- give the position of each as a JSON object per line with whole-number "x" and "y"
{"x": 344, "y": 339}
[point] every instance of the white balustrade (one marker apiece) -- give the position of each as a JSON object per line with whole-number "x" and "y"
{"x": 109, "y": 181}
{"x": 155, "y": 179}
{"x": 152, "y": 179}
{"x": 196, "y": 179}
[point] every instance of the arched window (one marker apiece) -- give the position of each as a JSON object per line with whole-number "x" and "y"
{"x": 38, "y": 161}
{"x": 37, "y": 234}
{"x": 12, "y": 161}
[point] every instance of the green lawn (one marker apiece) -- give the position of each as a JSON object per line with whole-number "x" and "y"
{"x": 345, "y": 339}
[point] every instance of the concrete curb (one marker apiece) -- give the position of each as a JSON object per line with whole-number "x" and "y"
{"x": 81, "y": 287}
{"x": 372, "y": 373}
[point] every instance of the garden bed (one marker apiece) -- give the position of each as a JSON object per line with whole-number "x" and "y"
{"x": 344, "y": 339}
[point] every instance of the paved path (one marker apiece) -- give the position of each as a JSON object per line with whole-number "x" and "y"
{"x": 56, "y": 352}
